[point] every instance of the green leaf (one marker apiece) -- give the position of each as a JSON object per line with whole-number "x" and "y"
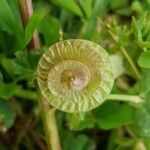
{"x": 7, "y": 65}
{"x": 33, "y": 23}
{"x": 10, "y": 23}
{"x": 79, "y": 142}
{"x": 70, "y": 5}
{"x": 136, "y": 29}
{"x": 124, "y": 11}
{"x": 144, "y": 60}
{"x": 6, "y": 15}
{"x": 33, "y": 59}
{"x": 20, "y": 67}
{"x": 144, "y": 44}
{"x": 49, "y": 28}
{"x": 80, "y": 121}
{"x": 137, "y": 7}
{"x": 87, "y": 7}
{"x": 74, "y": 122}
{"x": 21, "y": 59}
{"x": 16, "y": 69}
{"x": 113, "y": 114}
{"x": 12, "y": 89}
{"x": 117, "y": 3}
{"x": 8, "y": 90}
{"x": 87, "y": 122}
{"x": 142, "y": 120}
{"x": 7, "y": 115}
{"x": 99, "y": 9}
{"x": 146, "y": 23}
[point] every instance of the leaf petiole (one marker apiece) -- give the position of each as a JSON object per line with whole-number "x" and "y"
{"x": 127, "y": 98}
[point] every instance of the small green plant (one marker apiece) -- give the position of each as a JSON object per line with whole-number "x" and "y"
{"x": 47, "y": 69}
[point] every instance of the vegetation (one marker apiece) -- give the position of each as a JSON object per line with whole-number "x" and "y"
{"x": 122, "y": 27}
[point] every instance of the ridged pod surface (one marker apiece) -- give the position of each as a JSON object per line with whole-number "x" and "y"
{"x": 75, "y": 75}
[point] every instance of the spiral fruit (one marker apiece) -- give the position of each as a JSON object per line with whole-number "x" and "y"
{"x": 75, "y": 75}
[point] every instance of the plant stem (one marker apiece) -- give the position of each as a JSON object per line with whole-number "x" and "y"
{"x": 126, "y": 55}
{"x": 133, "y": 66}
{"x": 48, "y": 114}
{"x": 26, "y": 10}
{"x": 49, "y": 121}
{"x": 127, "y": 98}
{"x": 26, "y": 94}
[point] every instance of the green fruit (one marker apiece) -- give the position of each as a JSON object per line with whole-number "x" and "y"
{"x": 75, "y": 75}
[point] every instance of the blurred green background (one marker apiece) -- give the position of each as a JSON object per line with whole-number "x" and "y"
{"x": 114, "y": 125}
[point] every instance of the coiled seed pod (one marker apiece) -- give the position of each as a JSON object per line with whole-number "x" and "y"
{"x": 75, "y": 75}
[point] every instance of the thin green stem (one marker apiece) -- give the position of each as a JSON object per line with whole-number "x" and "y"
{"x": 26, "y": 94}
{"x": 127, "y": 98}
{"x": 49, "y": 122}
{"x": 132, "y": 64}
{"x": 127, "y": 56}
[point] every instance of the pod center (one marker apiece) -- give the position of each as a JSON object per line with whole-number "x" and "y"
{"x": 68, "y": 76}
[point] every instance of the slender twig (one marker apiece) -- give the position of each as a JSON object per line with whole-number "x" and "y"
{"x": 48, "y": 114}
